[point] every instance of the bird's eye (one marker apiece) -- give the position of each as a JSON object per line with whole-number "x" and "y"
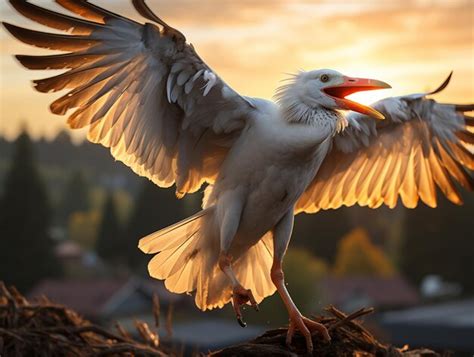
{"x": 324, "y": 78}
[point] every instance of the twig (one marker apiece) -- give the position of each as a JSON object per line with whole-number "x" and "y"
{"x": 156, "y": 309}
{"x": 122, "y": 331}
{"x": 169, "y": 321}
{"x": 54, "y": 330}
{"x": 353, "y": 316}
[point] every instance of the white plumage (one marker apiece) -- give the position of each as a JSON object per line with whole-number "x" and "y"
{"x": 145, "y": 93}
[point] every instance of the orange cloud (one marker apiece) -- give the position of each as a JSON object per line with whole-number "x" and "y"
{"x": 252, "y": 44}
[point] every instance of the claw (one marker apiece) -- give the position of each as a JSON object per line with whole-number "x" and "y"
{"x": 240, "y": 297}
{"x": 305, "y": 327}
{"x": 241, "y": 322}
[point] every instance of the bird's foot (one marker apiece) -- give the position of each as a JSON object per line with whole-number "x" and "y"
{"x": 306, "y": 327}
{"x": 241, "y": 296}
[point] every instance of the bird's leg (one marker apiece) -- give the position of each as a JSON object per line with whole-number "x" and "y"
{"x": 229, "y": 213}
{"x": 281, "y": 238}
{"x": 297, "y": 320}
{"x": 240, "y": 295}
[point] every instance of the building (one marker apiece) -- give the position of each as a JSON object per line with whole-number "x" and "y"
{"x": 354, "y": 292}
{"x": 102, "y": 300}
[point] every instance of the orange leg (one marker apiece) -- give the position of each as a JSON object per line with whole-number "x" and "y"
{"x": 240, "y": 295}
{"x": 297, "y": 321}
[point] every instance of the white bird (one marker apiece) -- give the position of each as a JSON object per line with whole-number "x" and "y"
{"x": 146, "y": 94}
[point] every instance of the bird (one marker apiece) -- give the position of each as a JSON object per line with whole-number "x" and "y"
{"x": 144, "y": 92}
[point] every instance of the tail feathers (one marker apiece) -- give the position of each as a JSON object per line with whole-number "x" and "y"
{"x": 178, "y": 253}
{"x": 170, "y": 237}
{"x": 253, "y": 272}
{"x": 186, "y": 258}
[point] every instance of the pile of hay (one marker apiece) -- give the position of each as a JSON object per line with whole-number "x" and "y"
{"x": 46, "y": 329}
{"x": 349, "y": 338}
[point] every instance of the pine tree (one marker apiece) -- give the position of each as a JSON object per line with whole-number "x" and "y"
{"x": 154, "y": 208}
{"x": 26, "y": 249}
{"x": 75, "y": 197}
{"x": 108, "y": 245}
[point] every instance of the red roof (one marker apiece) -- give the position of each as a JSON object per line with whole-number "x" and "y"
{"x": 382, "y": 292}
{"x": 87, "y": 297}
{"x": 69, "y": 249}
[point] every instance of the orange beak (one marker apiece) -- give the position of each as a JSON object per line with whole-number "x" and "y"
{"x": 354, "y": 85}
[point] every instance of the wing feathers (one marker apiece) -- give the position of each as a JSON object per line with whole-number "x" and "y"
{"x": 141, "y": 90}
{"x": 420, "y": 146}
{"x": 53, "y": 19}
{"x": 146, "y": 12}
{"x": 91, "y": 12}
{"x": 49, "y": 40}
{"x": 62, "y": 61}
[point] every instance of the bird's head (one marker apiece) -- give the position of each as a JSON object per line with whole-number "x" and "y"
{"x": 327, "y": 88}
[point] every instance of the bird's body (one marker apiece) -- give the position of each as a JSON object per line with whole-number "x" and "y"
{"x": 268, "y": 169}
{"x": 265, "y": 172}
{"x": 146, "y": 94}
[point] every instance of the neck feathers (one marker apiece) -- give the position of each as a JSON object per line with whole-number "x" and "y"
{"x": 294, "y": 110}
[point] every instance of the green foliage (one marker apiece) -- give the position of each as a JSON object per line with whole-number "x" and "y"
{"x": 356, "y": 255}
{"x": 108, "y": 244}
{"x": 82, "y": 228}
{"x": 303, "y": 274}
{"x": 321, "y": 232}
{"x": 26, "y": 249}
{"x": 75, "y": 197}
{"x": 122, "y": 201}
{"x": 154, "y": 209}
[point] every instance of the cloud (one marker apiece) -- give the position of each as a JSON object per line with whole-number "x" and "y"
{"x": 252, "y": 44}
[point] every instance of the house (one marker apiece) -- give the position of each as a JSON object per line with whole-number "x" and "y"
{"x": 76, "y": 262}
{"x": 353, "y": 292}
{"x": 105, "y": 299}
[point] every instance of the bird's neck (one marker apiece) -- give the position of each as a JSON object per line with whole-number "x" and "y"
{"x": 296, "y": 107}
{"x": 315, "y": 116}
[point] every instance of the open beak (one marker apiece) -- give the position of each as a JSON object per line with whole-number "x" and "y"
{"x": 354, "y": 85}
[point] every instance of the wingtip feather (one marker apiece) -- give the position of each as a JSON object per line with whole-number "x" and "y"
{"x": 443, "y": 85}
{"x": 143, "y": 9}
{"x": 53, "y": 19}
{"x": 464, "y": 107}
{"x": 50, "y": 41}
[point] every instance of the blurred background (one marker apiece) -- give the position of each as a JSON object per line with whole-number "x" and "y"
{"x": 71, "y": 217}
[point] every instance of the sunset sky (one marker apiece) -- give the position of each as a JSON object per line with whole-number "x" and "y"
{"x": 412, "y": 45}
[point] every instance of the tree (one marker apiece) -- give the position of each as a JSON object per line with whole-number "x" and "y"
{"x": 356, "y": 256}
{"x": 26, "y": 249}
{"x": 75, "y": 197}
{"x": 155, "y": 208}
{"x": 83, "y": 228}
{"x": 303, "y": 275}
{"x": 321, "y": 232}
{"x": 108, "y": 241}
{"x": 439, "y": 241}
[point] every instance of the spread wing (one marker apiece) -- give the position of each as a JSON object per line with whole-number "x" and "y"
{"x": 422, "y": 145}
{"x": 139, "y": 88}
